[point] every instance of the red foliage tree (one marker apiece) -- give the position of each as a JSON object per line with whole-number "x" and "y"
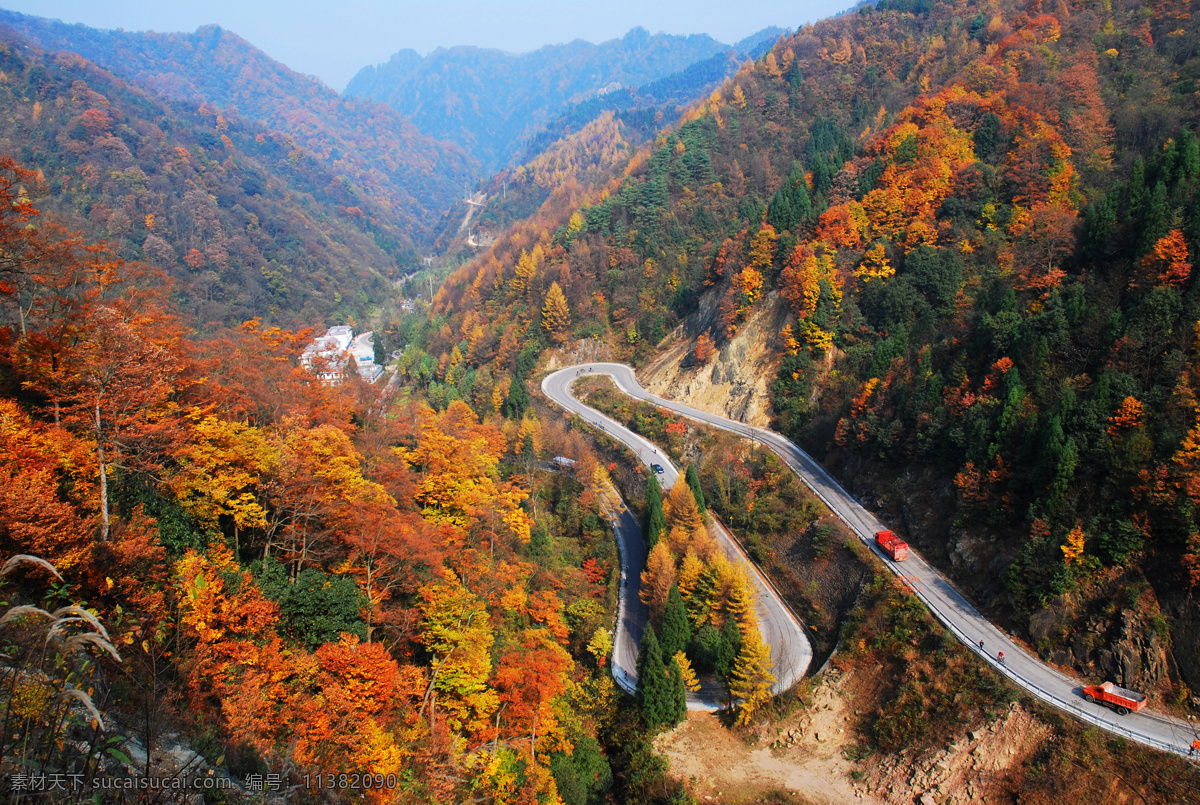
{"x": 529, "y": 678}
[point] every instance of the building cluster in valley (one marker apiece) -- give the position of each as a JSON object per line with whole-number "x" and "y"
{"x": 329, "y": 355}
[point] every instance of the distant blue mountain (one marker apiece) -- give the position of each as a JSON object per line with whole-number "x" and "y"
{"x": 492, "y": 103}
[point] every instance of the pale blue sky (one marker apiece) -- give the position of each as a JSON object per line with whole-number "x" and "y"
{"x": 333, "y": 40}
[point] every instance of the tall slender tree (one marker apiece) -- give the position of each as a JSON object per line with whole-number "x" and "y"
{"x": 727, "y": 651}
{"x": 676, "y": 631}
{"x": 752, "y": 679}
{"x": 658, "y": 579}
{"x": 556, "y": 314}
{"x": 693, "y": 482}
{"x": 690, "y": 680}
{"x": 678, "y": 690}
{"x": 654, "y": 687}
{"x": 682, "y": 510}
{"x": 656, "y": 521}
{"x": 518, "y": 398}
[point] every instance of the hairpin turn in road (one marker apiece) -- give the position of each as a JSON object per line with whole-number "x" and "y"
{"x": 943, "y": 599}
{"x": 782, "y": 630}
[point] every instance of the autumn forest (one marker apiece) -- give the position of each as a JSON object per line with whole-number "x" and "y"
{"x": 945, "y": 246}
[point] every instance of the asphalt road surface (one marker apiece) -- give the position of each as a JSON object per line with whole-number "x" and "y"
{"x": 791, "y": 649}
{"x": 947, "y": 603}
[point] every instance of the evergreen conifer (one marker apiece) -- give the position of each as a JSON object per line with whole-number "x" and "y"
{"x": 678, "y": 690}
{"x": 728, "y": 650}
{"x": 676, "y": 631}
{"x": 654, "y": 687}
{"x": 705, "y": 647}
{"x": 518, "y": 399}
{"x": 656, "y": 521}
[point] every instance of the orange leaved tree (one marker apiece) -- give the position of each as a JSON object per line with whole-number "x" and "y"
{"x": 530, "y": 676}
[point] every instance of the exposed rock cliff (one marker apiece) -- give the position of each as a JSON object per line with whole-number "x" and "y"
{"x": 735, "y": 380}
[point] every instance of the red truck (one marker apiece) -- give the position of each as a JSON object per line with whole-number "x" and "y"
{"x": 892, "y": 545}
{"x": 1121, "y": 700}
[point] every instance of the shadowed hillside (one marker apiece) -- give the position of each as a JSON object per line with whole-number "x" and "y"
{"x": 360, "y": 142}
{"x": 243, "y": 220}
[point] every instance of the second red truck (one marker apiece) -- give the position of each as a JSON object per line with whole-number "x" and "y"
{"x": 892, "y": 545}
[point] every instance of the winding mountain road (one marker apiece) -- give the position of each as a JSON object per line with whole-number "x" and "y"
{"x": 944, "y": 601}
{"x": 791, "y": 649}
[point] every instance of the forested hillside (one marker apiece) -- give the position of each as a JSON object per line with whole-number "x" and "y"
{"x": 244, "y": 221}
{"x": 490, "y": 102}
{"x": 363, "y": 145}
{"x": 276, "y": 574}
{"x": 982, "y": 221}
{"x": 978, "y": 222}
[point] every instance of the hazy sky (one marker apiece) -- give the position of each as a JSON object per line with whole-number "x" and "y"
{"x": 334, "y": 38}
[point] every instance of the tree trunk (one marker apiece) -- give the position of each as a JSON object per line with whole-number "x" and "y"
{"x": 370, "y": 601}
{"x": 103, "y": 479}
{"x": 496, "y": 740}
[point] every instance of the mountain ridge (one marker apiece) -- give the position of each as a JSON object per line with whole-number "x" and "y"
{"x": 368, "y": 143}
{"x": 493, "y": 101}
{"x": 245, "y": 223}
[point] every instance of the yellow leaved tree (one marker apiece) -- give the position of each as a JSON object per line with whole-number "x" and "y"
{"x": 220, "y": 469}
{"x": 457, "y": 631}
{"x": 752, "y": 677}
{"x": 456, "y": 458}
{"x": 1073, "y": 549}
{"x": 556, "y": 314}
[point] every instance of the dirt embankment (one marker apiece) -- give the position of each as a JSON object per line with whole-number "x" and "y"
{"x": 800, "y": 759}
{"x": 807, "y": 757}
{"x": 978, "y": 767}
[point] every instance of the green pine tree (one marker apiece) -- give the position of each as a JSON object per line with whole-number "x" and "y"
{"x": 731, "y": 646}
{"x": 518, "y": 399}
{"x": 705, "y": 648}
{"x": 1136, "y": 194}
{"x": 1099, "y": 219}
{"x": 379, "y": 349}
{"x": 539, "y": 541}
{"x": 1156, "y": 221}
{"x": 791, "y": 205}
{"x": 1188, "y": 167}
{"x": 693, "y": 481}
{"x": 676, "y": 631}
{"x": 678, "y": 692}
{"x": 779, "y": 212}
{"x": 654, "y": 687}
{"x": 656, "y": 521}
{"x": 649, "y": 649}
